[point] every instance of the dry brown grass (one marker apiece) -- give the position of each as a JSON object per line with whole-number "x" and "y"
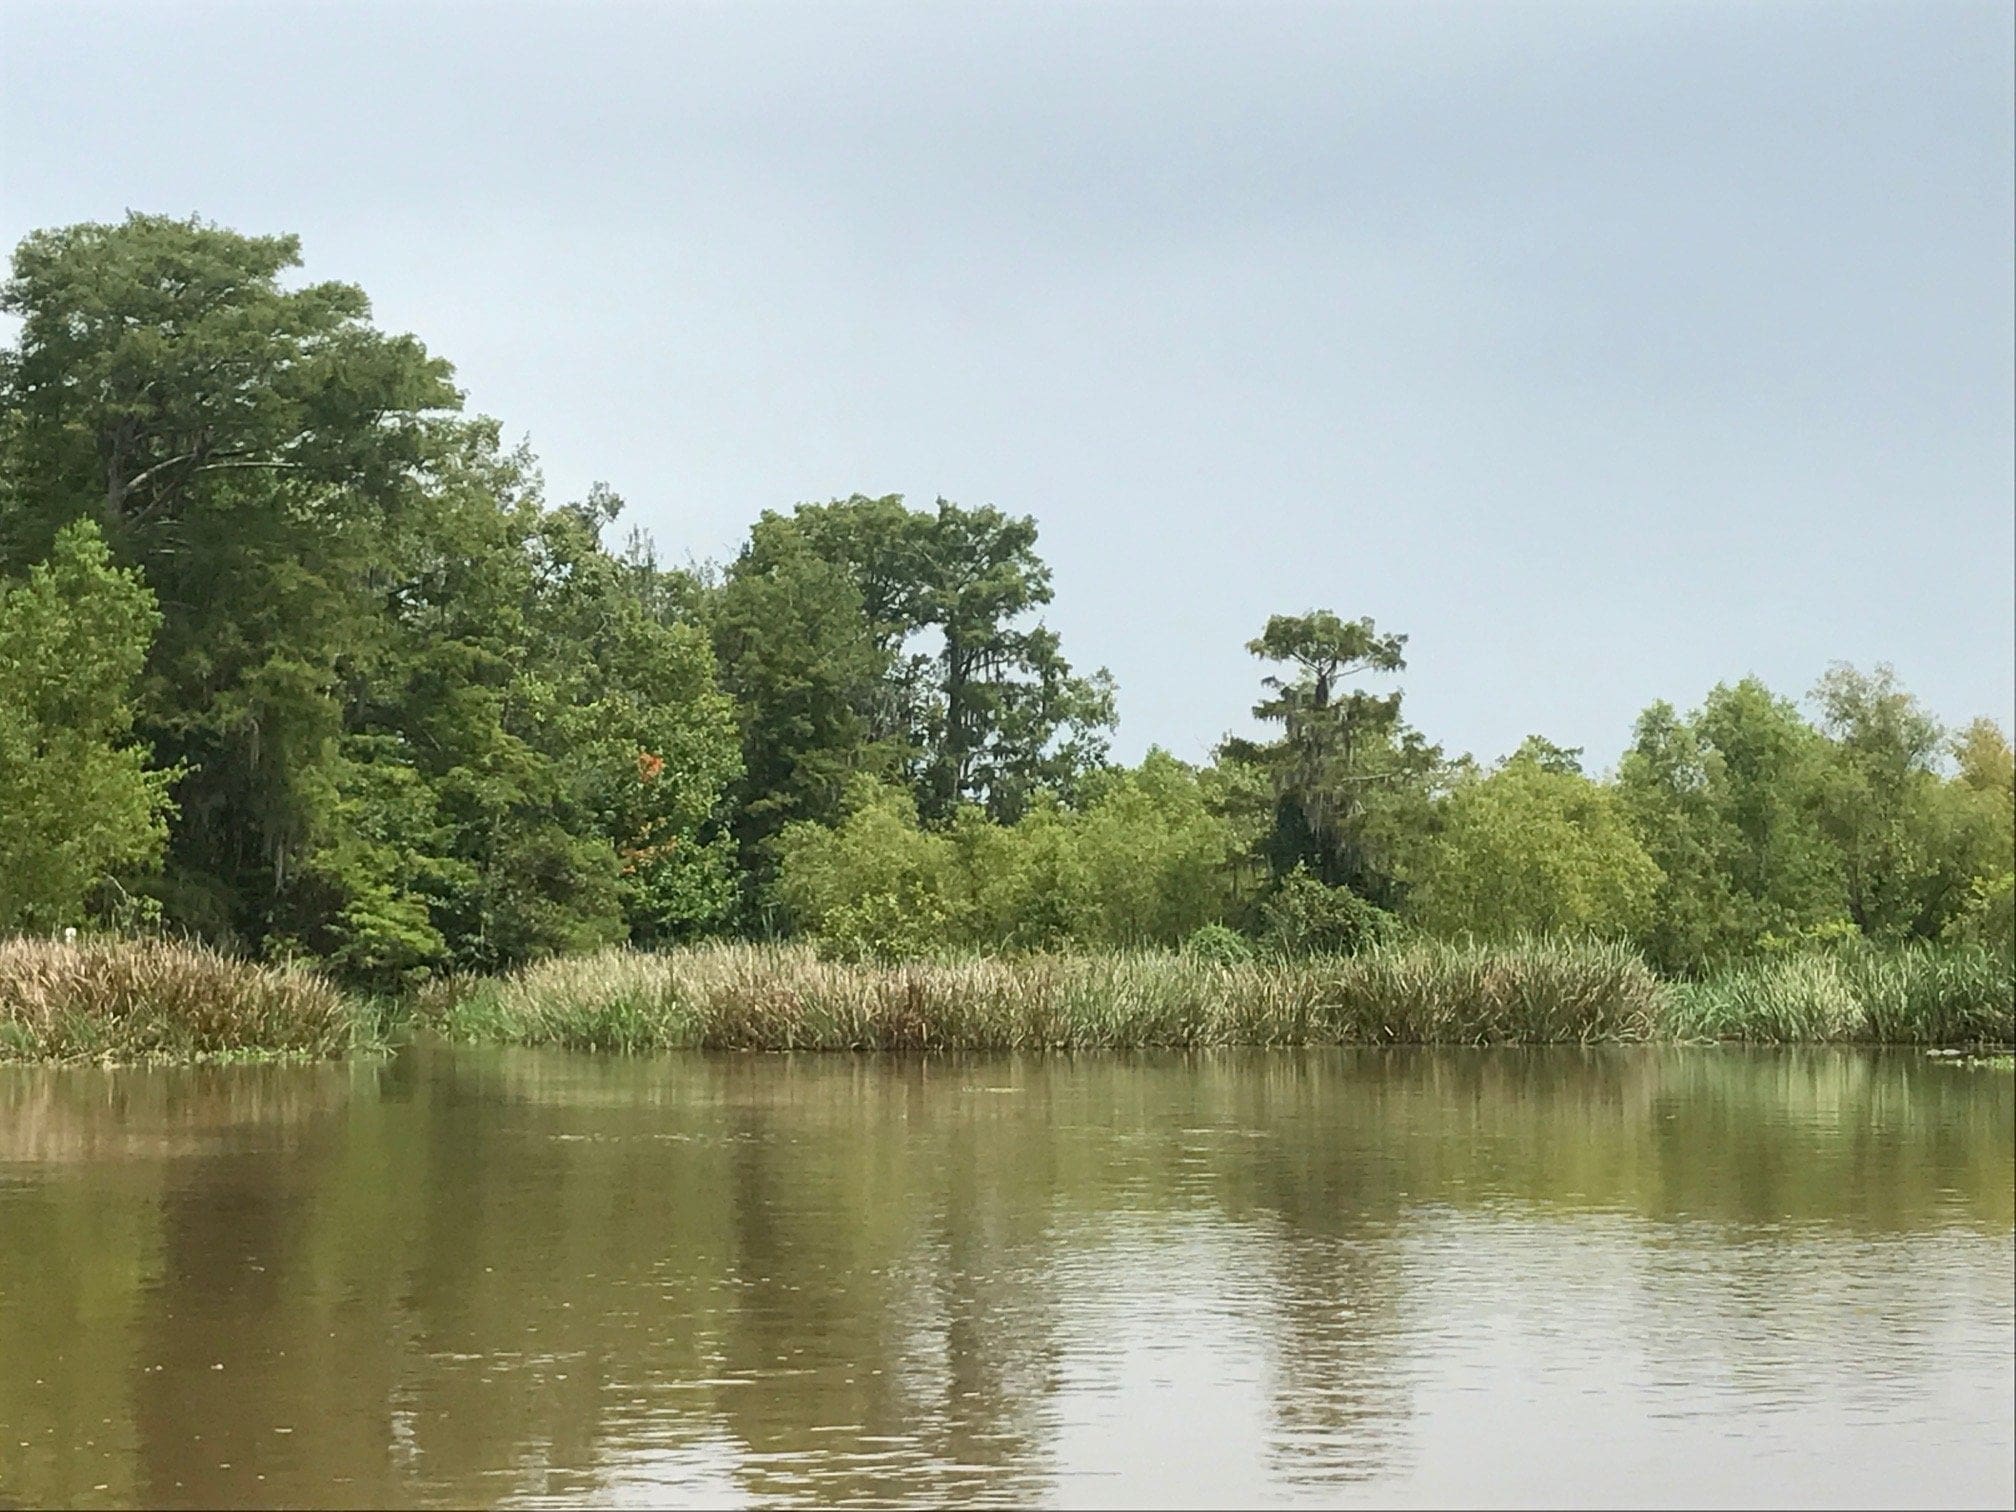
{"x": 148, "y": 999}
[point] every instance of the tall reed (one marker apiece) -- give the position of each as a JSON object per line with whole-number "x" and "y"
{"x": 152, "y": 999}
{"x": 1907, "y": 995}
{"x": 104, "y": 999}
{"x": 769, "y": 997}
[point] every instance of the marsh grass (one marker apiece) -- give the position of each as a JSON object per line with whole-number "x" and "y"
{"x": 1909, "y": 995}
{"x": 770, "y": 997}
{"x": 161, "y": 1000}
{"x": 150, "y": 999}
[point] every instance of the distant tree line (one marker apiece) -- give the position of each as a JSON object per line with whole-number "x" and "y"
{"x": 296, "y": 656}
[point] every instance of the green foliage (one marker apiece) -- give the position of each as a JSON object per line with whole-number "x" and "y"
{"x": 1157, "y": 855}
{"x": 1144, "y": 861}
{"x": 629, "y": 715}
{"x": 1988, "y": 917}
{"x": 1726, "y": 802}
{"x": 1218, "y": 945}
{"x": 977, "y": 702}
{"x": 1533, "y": 848}
{"x": 803, "y": 665}
{"x": 79, "y": 808}
{"x": 1910, "y": 842}
{"x": 1825, "y": 935}
{"x": 1301, "y": 916}
{"x": 419, "y": 719}
{"x": 253, "y": 453}
{"x": 1982, "y": 799}
{"x": 1344, "y": 765}
{"x": 416, "y": 720}
{"x": 875, "y": 887}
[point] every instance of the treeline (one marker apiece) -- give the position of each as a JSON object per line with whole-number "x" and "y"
{"x": 295, "y": 656}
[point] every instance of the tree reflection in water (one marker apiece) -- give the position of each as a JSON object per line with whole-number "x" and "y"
{"x": 513, "y": 1276}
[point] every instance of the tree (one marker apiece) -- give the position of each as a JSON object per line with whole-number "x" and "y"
{"x": 633, "y": 716}
{"x": 1983, "y": 791}
{"x": 1160, "y": 857}
{"x": 571, "y": 734}
{"x": 1141, "y": 860}
{"x": 251, "y": 451}
{"x": 1533, "y": 848}
{"x": 1909, "y": 843}
{"x": 978, "y": 702}
{"x": 1340, "y": 754}
{"x": 878, "y": 885}
{"x": 805, "y": 667}
{"x": 79, "y": 808}
{"x": 1302, "y": 917}
{"x": 420, "y": 718}
{"x": 1726, "y": 802}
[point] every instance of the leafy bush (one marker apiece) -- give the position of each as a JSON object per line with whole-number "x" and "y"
{"x": 880, "y": 926}
{"x": 1988, "y": 917}
{"x": 1218, "y": 945}
{"x": 1825, "y": 934}
{"x": 1303, "y": 917}
{"x": 1143, "y": 861}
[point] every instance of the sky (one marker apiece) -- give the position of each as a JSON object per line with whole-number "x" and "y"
{"x": 1607, "y": 351}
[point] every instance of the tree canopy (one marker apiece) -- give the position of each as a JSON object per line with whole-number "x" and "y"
{"x": 297, "y": 656}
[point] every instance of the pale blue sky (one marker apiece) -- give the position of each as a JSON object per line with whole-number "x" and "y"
{"x": 1608, "y": 351}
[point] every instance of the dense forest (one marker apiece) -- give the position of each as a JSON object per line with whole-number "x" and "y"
{"x": 295, "y": 656}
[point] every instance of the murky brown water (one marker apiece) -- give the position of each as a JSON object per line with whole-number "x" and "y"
{"x": 1646, "y": 1277}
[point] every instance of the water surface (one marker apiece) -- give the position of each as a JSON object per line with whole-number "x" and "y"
{"x": 1412, "y": 1277}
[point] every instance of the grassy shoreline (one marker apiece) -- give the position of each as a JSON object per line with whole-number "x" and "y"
{"x": 142, "y": 1000}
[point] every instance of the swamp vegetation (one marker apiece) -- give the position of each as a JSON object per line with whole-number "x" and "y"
{"x": 154, "y": 1000}
{"x": 317, "y": 717}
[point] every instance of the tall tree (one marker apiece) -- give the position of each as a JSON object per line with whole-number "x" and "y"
{"x": 1983, "y": 793}
{"x": 419, "y": 716}
{"x": 1341, "y": 753}
{"x": 623, "y": 701}
{"x": 806, "y": 668}
{"x": 1727, "y": 801}
{"x": 1910, "y": 843}
{"x": 250, "y": 450}
{"x": 977, "y": 698}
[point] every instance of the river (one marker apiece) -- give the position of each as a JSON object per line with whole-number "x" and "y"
{"x": 1644, "y": 1276}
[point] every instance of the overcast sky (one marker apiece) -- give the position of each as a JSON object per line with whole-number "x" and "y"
{"x": 1607, "y": 351}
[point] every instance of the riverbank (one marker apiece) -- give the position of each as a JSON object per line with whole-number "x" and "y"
{"x": 143, "y": 1000}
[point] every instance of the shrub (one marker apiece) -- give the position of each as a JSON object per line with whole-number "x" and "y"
{"x": 1988, "y": 917}
{"x": 1303, "y": 917}
{"x": 1218, "y": 945}
{"x": 879, "y": 926}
